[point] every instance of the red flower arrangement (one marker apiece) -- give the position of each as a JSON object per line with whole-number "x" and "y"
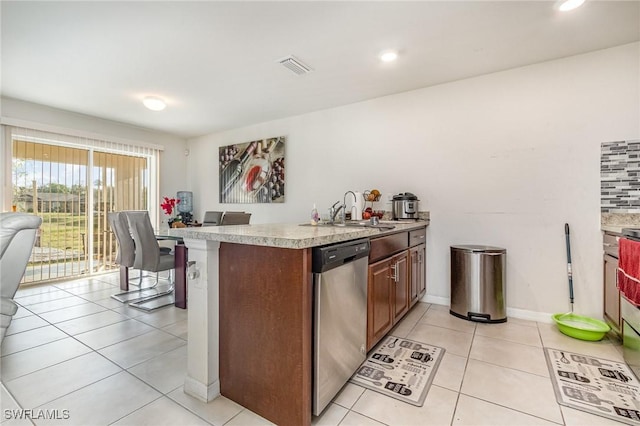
{"x": 169, "y": 204}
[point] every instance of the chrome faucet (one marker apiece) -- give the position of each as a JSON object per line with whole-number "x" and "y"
{"x": 333, "y": 212}
{"x": 353, "y": 206}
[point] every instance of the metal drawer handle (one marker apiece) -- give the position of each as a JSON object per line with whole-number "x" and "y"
{"x": 394, "y": 268}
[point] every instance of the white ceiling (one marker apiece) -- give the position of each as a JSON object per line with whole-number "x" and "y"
{"x": 215, "y": 62}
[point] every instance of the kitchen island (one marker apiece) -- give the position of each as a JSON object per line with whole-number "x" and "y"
{"x": 250, "y": 313}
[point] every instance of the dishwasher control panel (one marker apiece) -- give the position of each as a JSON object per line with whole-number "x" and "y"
{"x": 328, "y": 257}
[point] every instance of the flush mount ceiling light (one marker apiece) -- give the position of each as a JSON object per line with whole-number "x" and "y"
{"x": 154, "y": 103}
{"x": 568, "y": 5}
{"x": 388, "y": 56}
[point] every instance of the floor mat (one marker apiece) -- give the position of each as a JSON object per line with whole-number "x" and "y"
{"x": 400, "y": 368}
{"x": 598, "y": 386}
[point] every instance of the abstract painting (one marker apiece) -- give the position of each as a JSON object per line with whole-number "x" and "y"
{"x": 252, "y": 172}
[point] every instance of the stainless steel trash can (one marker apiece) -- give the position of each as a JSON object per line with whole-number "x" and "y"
{"x": 478, "y": 283}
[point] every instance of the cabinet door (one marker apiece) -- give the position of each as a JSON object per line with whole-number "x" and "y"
{"x": 379, "y": 296}
{"x": 417, "y": 276}
{"x": 422, "y": 269}
{"x": 400, "y": 282}
{"x": 611, "y": 293}
{"x": 414, "y": 275}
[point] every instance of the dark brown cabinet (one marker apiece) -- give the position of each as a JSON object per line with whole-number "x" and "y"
{"x": 611, "y": 293}
{"x": 379, "y": 311}
{"x": 400, "y": 282}
{"x": 422, "y": 267}
{"x": 388, "y": 296}
{"x": 396, "y": 280}
{"x": 276, "y": 316}
{"x": 267, "y": 308}
{"x": 418, "y": 282}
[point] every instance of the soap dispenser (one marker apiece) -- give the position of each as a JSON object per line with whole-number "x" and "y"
{"x": 315, "y": 217}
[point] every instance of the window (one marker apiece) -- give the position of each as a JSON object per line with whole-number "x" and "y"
{"x": 73, "y": 183}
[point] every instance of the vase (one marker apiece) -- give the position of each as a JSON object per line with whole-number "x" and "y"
{"x": 173, "y": 220}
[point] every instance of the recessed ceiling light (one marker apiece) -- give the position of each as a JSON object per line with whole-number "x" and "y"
{"x": 154, "y": 103}
{"x": 568, "y": 5}
{"x": 388, "y": 56}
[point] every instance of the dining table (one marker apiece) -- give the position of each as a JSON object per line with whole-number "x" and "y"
{"x": 181, "y": 258}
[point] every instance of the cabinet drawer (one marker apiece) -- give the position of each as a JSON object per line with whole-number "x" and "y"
{"x": 611, "y": 244}
{"x": 388, "y": 245}
{"x": 418, "y": 236}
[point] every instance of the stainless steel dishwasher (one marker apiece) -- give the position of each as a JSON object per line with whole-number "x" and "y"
{"x": 340, "y": 316}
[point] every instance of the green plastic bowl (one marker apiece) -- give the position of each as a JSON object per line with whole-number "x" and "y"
{"x": 579, "y": 327}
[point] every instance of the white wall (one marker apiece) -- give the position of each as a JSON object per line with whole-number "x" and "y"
{"x": 503, "y": 159}
{"x": 172, "y": 159}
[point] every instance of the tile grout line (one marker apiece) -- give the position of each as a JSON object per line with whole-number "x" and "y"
{"x": 92, "y": 350}
{"x": 82, "y": 343}
{"x": 122, "y": 369}
{"x": 564, "y": 420}
{"x": 363, "y": 415}
{"x": 139, "y": 408}
{"x": 512, "y": 409}
{"x": 365, "y": 390}
{"x": 464, "y": 373}
{"x": 145, "y": 315}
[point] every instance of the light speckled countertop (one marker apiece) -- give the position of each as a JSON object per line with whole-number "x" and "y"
{"x": 615, "y": 222}
{"x": 288, "y": 235}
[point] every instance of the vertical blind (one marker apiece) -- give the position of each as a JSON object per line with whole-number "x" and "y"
{"x": 73, "y": 183}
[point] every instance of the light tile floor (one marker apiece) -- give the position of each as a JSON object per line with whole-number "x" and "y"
{"x": 71, "y": 347}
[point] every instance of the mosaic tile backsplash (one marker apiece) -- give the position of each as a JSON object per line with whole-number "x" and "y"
{"x": 620, "y": 177}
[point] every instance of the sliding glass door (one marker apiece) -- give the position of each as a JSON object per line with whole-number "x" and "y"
{"x": 120, "y": 182}
{"x": 73, "y": 189}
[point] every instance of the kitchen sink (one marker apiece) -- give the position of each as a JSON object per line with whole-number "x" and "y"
{"x": 336, "y": 225}
{"x": 350, "y": 224}
{"x": 381, "y": 226}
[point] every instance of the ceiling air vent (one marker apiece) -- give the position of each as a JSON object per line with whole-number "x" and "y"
{"x": 295, "y": 65}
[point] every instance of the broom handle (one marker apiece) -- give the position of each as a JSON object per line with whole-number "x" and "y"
{"x": 569, "y": 272}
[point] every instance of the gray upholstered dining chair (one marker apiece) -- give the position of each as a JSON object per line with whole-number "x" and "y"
{"x": 235, "y": 218}
{"x": 17, "y": 236}
{"x": 125, "y": 257}
{"x": 124, "y": 254}
{"x": 212, "y": 218}
{"x": 148, "y": 256}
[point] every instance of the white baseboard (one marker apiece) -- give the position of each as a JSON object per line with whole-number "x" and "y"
{"x": 201, "y": 391}
{"x": 511, "y": 312}
{"x": 436, "y": 300}
{"x": 529, "y": 315}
